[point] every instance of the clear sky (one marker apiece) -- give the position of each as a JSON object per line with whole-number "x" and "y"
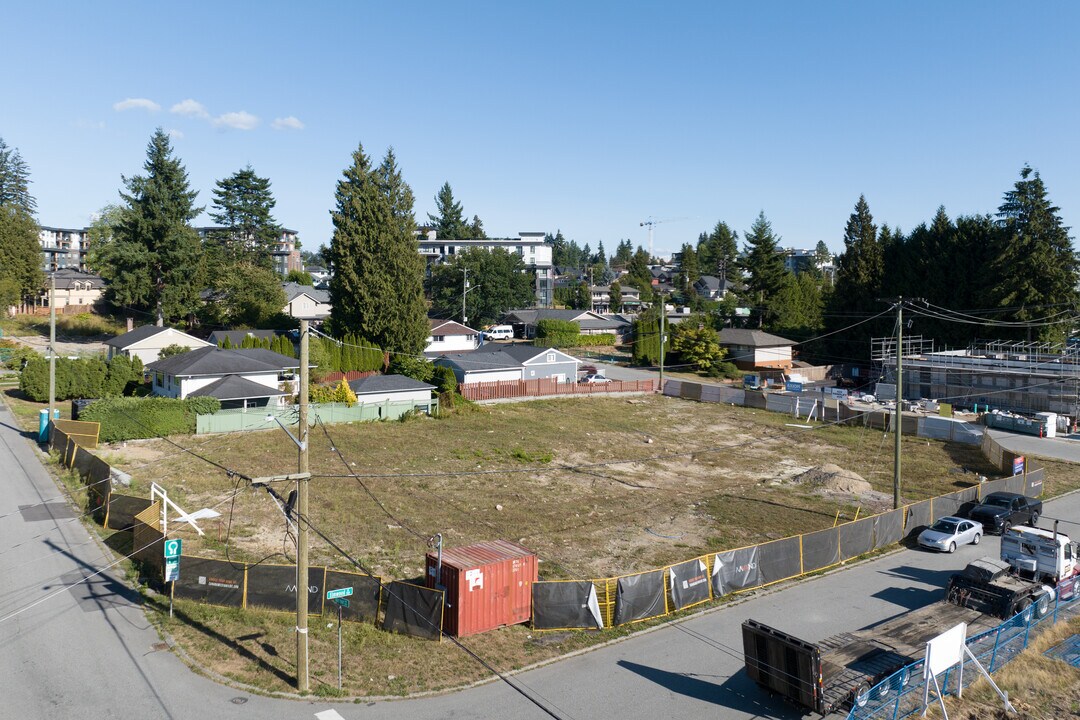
{"x": 589, "y": 117}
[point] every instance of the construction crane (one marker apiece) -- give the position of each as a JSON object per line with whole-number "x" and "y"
{"x": 650, "y": 223}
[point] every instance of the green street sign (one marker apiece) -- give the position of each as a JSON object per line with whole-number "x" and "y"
{"x": 343, "y": 592}
{"x": 172, "y": 569}
{"x": 172, "y": 548}
{"x": 343, "y": 602}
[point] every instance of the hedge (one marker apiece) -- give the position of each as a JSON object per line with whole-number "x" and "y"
{"x": 576, "y": 341}
{"x": 81, "y": 378}
{"x": 131, "y": 418}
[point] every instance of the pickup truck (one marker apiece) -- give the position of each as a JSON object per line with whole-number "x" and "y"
{"x": 1000, "y": 511}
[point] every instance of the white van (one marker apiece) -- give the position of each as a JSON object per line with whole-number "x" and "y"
{"x": 499, "y": 332}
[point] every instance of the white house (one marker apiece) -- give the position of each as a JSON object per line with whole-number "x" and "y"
{"x": 304, "y": 302}
{"x": 448, "y": 336}
{"x": 147, "y": 341}
{"x": 535, "y": 254}
{"x": 393, "y": 388}
{"x": 493, "y": 362}
{"x": 238, "y": 378}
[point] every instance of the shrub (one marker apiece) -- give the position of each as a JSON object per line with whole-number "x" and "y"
{"x": 445, "y": 380}
{"x": 414, "y": 367}
{"x": 340, "y": 393}
{"x": 129, "y": 418}
{"x": 170, "y": 350}
{"x": 577, "y": 341}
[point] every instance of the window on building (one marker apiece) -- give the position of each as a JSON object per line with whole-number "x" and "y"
{"x": 551, "y": 357}
{"x": 438, "y": 338}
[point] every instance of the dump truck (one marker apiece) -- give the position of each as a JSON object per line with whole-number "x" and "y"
{"x": 1034, "y": 568}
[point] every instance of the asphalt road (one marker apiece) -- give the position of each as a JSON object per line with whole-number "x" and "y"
{"x": 71, "y": 648}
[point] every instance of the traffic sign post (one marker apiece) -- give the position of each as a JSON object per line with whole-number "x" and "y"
{"x": 172, "y": 549}
{"x": 339, "y": 598}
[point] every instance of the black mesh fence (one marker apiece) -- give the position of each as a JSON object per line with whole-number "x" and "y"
{"x": 565, "y": 605}
{"x": 122, "y": 510}
{"x": 820, "y": 549}
{"x": 274, "y": 587}
{"x": 689, "y": 583}
{"x": 779, "y": 559}
{"x": 991, "y": 486}
{"x": 856, "y": 538}
{"x": 888, "y": 528}
{"x": 640, "y": 597}
{"x": 1015, "y": 484}
{"x": 211, "y": 581}
{"x": 363, "y": 604}
{"x": 413, "y": 610}
{"x": 1034, "y": 481}
{"x": 735, "y": 570}
{"x": 945, "y": 505}
{"x": 918, "y": 518}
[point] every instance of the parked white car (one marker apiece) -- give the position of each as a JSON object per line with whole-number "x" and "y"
{"x": 595, "y": 378}
{"x": 950, "y": 532}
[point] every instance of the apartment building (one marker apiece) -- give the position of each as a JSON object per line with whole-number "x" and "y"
{"x": 529, "y": 246}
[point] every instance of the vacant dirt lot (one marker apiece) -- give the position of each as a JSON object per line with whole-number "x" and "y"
{"x": 596, "y": 486}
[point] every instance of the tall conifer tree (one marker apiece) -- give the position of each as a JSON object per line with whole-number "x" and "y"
{"x": 153, "y": 261}
{"x": 766, "y": 275}
{"x": 377, "y": 287}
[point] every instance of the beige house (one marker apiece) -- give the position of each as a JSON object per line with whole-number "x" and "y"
{"x": 74, "y": 288}
{"x": 304, "y": 302}
{"x": 147, "y": 342}
{"x": 756, "y": 349}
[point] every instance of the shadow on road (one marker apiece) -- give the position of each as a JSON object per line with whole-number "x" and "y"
{"x": 909, "y": 598}
{"x": 737, "y": 692}
{"x": 936, "y": 578}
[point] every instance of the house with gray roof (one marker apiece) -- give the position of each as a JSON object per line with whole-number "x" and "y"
{"x": 238, "y": 378}
{"x": 147, "y": 341}
{"x": 712, "y": 287}
{"x": 591, "y": 323}
{"x": 391, "y": 392}
{"x": 756, "y": 349}
{"x": 496, "y": 361}
{"x": 305, "y": 302}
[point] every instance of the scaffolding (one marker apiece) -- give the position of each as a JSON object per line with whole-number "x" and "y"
{"x": 1025, "y": 377}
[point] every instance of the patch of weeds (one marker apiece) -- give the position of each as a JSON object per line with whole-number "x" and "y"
{"x": 522, "y": 455}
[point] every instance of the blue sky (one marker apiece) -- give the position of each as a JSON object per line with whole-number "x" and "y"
{"x": 585, "y": 117}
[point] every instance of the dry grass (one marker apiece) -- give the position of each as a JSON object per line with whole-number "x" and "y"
{"x": 597, "y": 486}
{"x": 1040, "y": 688}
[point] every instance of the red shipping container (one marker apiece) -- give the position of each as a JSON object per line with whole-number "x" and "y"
{"x": 488, "y": 585}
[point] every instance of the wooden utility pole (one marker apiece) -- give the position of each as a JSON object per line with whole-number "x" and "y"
{"x": 663, "y": 314}
{"x": 52, "y": 346}
{"x": 899, "y": 399}
{"x": 302, "y": 522}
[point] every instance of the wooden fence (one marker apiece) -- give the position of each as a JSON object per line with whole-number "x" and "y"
{"x": 545, "y": 387}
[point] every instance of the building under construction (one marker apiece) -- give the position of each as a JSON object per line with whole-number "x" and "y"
{"x": 1025, "y": 377}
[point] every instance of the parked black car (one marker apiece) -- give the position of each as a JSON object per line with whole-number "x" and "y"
{"x": 999, "y": 511}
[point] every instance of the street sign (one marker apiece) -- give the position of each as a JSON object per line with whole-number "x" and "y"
{"x": 343, "y": 602}
{"x": 1018, "y": 465}
{"x": 172, "y": 569}
{"x": 172, "y": 548}
{"x": 792, "y": 386}
{"x": 340, "y": 593}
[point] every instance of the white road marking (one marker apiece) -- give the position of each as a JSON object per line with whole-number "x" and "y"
{"x": 328, "y": 715}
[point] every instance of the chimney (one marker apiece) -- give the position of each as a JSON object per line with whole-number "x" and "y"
{"x": 130, "y": 324}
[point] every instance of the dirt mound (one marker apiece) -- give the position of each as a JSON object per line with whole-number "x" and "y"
{"x": 833, "y": 479}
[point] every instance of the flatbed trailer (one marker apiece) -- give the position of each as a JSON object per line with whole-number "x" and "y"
{"x": 827, "y": 675}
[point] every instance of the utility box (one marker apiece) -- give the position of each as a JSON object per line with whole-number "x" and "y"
{"x": 488, "y": 585}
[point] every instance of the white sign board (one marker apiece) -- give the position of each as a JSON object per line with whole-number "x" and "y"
{"x": 945, "y": 651}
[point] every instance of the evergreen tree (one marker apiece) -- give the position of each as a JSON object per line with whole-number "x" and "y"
{"x": 15, "y": 180}
{"x": 243, "y": 205}
{"x": 638, "y": 273}
{"x": 476, "y": 229}
{"x": 601, "y": 256}
{"x": 765, "y": 271}
{"x": 153, "y": 262}
{"x": 20, "y": 255}
{"x": 377, "y": 287}
{"x": 623, "y": 253}
{"x": 861, "y": 267}
{"x": 688, "y": 271}
{"x": 615, "y": 294}
{"x": 1036, "y": 263}
{"x": 101, "y": 232}
{"x": 718, "y": 252}
{"x": 398, "y": 194}
{"x": 449, "y": 220}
